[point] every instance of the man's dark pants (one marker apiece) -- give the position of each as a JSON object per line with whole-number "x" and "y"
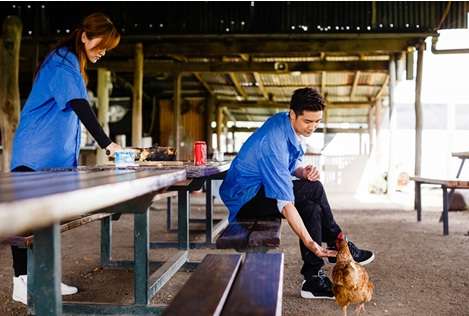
{"x": 313, "y": 207}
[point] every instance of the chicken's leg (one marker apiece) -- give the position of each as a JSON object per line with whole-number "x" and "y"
{"x": 360, "y": 308}
{"x": 344, "y": 310}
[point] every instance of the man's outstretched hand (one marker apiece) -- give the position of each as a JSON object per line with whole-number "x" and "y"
{"x": 311, "y": 173}
{"x": 320, "y": 251}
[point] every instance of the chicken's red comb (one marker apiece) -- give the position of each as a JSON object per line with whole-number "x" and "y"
{"x": 341, "y": 236}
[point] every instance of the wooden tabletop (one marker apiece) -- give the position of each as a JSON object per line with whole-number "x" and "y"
{"x": 450, "y": 183}
{"x": 207, "y": 170}
{"x": 30, "y": 200}
{"x": 462, "y": 154}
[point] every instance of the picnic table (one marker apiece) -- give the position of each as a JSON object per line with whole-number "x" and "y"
{"x": 37, "y": 202}
{"x": 196, "y": 177}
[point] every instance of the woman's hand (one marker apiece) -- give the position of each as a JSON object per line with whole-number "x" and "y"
{"x": 320, "y": 251}
{"x": 311, "y": 173}
{"x": 112, "y": 148}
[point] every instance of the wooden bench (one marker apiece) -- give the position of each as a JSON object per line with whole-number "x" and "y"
{"x": 258, "y": 235}
{"x": 445, "y": 184}
{"x": 226, "y": 285}
{"x": 26, "y": 241}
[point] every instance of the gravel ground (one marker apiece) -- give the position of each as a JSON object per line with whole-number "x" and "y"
{"x": 417, "y": 271}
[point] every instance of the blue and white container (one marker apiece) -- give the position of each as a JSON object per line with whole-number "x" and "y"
{"x": 125, "y": 158}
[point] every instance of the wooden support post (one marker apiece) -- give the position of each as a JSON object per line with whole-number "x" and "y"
{"x": 378, "y": 120}
{"x": 418, "y": 110}
{"x": 137, "y": 97}
{"x": 210, "y": 117}
{"x": 219, "y": 126}
{"x": 104, "y": 85}
{"x": 9, "y": 85}
{"x": 371, "y": 131}
{"x": 177, "y": 114}
{"x": 392, "y": 177}
{"x": 225, "y": 133}
{"x": 233, "y": 133}
{"x": 410, "y": 63}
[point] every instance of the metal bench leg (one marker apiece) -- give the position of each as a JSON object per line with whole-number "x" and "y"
{"x": 183, "y": 219}
{"x": 445, "y": 210}
{"x": 141, "y": 250}
{"x": 30, "y": 284}
{"x": 418, "y": 201}
{"x": 460, "y": 167}
{"x": 168, "y": 213}
{"x": 47, "y": 272}
{"x": 106, "y": 241}
{"x": 209, "y": 212}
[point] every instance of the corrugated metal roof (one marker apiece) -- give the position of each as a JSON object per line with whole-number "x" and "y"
{"x": 244, "y": 17}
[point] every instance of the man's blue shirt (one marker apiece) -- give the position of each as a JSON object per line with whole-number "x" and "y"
{"x": 269, "y": 157}
{"x": 48, "y": 134}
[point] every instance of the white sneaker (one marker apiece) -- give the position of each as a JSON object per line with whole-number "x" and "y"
{"x": 20, "y": 289}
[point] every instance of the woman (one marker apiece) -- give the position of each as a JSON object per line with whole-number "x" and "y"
{"x": 48, "y": 135}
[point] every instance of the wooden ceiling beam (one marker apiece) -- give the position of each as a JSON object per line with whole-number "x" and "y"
{"x": 237, "y": 84}
{"x": 318, "y": 130}
{"x": 204, "y": 83}
{"x": 260, "y": 85}
{"x": 355, "y": 84}
{"x": 323, "y": 83}
{"x": 282, "y": 105}
{"x": 208, "y": 46}
{"x": 381, "y": 91}
{"x": 158, "y": 66}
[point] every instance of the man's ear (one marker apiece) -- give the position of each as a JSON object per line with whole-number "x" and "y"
{"x": 292, "y": 115}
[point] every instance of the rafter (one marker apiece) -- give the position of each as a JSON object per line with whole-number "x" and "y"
{"x": 323, "y": 83}
{"x": 239, "y": 89}
{"x": 204, "y": 83}
{"x": 355, "y": 84}
{"x": 381, "y": 91}
{"x": 245, "y": 57}
{"x": 260, "y": 85}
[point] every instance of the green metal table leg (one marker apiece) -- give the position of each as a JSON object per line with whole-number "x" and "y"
{"x": 183, "y": 218}
{"x": 141, "y": 264}
{"x": 47, "y": 272}
{"x": 209, "y": 212}
{"x": 30, "y": 284}
{"x": 106, "y": 241}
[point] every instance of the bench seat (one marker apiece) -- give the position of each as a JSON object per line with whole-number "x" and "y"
{"x": 224, "y": 284}
{"x": 254, "y": 234}
{"x": 26, "y": 240}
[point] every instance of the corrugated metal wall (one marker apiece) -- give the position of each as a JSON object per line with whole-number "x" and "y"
{"x": 247, "y": 17}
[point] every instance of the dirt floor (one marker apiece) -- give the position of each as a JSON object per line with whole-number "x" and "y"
{"x": 417, "y": 270}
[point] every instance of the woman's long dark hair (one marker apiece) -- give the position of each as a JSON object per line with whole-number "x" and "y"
{"x": 94, "y": 25}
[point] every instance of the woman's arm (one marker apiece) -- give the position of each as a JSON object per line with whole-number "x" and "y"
{"x": 86, "y": 115}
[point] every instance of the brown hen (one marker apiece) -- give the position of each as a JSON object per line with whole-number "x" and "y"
{"x": 351, "y": 284}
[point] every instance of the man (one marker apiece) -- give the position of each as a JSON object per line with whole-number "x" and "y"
{"x": 259, "y": 184}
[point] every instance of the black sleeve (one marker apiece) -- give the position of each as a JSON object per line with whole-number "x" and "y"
{"x": 86, "y": 115}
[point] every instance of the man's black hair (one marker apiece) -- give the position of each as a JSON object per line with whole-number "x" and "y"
{"x": 306, "y": 99}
